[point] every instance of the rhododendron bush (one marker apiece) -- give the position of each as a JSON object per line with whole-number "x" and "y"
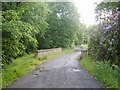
{"x": 105, "y": 39}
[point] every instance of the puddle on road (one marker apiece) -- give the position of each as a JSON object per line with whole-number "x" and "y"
{"x": 75, "y": 70}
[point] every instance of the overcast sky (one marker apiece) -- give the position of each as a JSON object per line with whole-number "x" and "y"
{"x": 86, "y": 10}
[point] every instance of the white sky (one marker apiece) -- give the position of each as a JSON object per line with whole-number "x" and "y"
{"x": 86, "y": 10}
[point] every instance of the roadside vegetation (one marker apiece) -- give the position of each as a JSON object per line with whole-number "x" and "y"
{"x": 30, "y": 26}
{"x": 23, "y": 65}
{"x": 103, "y": 56}
{"x": 0, "y": 79}
{"x": 102, "y": 71}
{"x": 84, "y": 46}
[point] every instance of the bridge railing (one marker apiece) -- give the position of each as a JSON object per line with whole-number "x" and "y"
{"x": 84, "y": 52}
{"x": 44, "y": 52}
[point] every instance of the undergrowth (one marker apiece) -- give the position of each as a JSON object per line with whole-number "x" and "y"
{"x": 102, "y": 71}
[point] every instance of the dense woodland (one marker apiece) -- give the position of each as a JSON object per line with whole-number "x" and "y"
{"x": 30, "y": 26}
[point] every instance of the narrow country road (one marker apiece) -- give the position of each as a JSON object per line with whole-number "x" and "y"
{"x": 60, "y": 72}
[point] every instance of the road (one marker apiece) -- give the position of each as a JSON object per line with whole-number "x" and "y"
{"x": 60, "y": 72}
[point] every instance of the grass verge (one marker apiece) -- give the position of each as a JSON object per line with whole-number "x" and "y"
{"x": 102, "y": 71}
{"x": 23, "y": 65}
{"x": 84, "y": 46}
{"x": 0, "y": 78}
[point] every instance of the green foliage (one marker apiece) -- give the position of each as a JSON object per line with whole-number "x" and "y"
{"x": 102, "y": 71}
{"x": 27, "y": 26}
{"x": 104, "y": 42}
{"x": 64, "y": 26}
{"x": 21, "y": 23}
{"x": 107, "y": 5}
{"x": 19, "y": 36}
{"x": 24, "y": 27}
{"x": 84, "y": 46}
{"x": 0, "y": 78}
{"x": 16, "y": 69}
{"x": 31, "y": 13}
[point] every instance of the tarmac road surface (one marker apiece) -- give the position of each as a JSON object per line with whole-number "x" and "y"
{"x": 60, "y": 72}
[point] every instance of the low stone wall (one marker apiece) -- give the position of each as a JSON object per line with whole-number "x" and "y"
{"x": 44, "y": 52}
{"x": 84, "y": 52}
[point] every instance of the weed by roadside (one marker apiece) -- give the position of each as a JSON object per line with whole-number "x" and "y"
{"x": 102, "y": 71}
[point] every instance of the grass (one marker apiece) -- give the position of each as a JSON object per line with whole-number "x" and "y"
{"x": 84, "y": 46}
{"x": 102, "y": 71}
{"x": 0, "y": 79}
{"x": 24, "y": 65}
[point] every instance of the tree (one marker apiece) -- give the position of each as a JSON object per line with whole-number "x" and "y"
{"x": 21, "y": 22}
{"x": 64, "y": 26}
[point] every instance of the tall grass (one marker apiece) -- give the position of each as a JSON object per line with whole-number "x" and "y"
{"x": 102, "y": 71}
{"x": 23, "y": 65}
